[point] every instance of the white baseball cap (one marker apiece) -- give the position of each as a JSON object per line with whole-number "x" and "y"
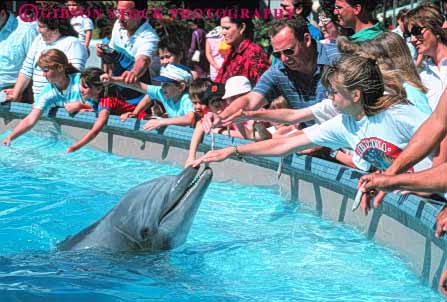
{"x": 236, "y": 85}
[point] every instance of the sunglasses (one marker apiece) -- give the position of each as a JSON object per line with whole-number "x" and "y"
{"x": 416, "y": 31}
{"x": 287, "y": 52}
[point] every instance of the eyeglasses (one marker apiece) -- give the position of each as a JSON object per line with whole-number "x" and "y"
{"x": 287, "y": 52}
{"x": 416, "y": 31}
{"x": 324, "y": 20}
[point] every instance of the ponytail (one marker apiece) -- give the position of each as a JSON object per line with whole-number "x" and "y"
{"x": 384, "y": 103}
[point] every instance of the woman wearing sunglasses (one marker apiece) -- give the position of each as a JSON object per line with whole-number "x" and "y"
{"x": 424, "y": 27}
{"x": 246, "y": 58}
{"x": 62, "y": 90}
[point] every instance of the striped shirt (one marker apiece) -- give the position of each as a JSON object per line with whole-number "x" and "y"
{"x": 299, "y": 90}
{"x": 71, "y": 46}
{"x": 51, "y": 96}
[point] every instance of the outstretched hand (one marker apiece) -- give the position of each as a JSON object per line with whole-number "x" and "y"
{"x": 375, "y": 185}
{"x": 442, "y": 283}
{"x": 209, "y": 121}
{"x": 214, "y": 156}
{"x": 71, "y": 149}
{"x": 441, "y": 223}
{"x": 153, "y": 124}
{"x": 6, "y": 142}
{"x": 239, "y": 116}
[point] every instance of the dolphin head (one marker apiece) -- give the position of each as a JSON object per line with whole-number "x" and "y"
{"x": 159, "y": 213}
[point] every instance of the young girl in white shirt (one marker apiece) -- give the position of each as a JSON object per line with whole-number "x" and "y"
{"x": 376, "y": 126}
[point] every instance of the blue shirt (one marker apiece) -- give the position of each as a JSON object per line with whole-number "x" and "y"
{"x": 51, "y": 96}
{"x": 173, "y": 108}
{"x": 314, "y": 32}
{"x": 417, "y": 98}
{"x": 299, "y": 90}
{"x": 16, "y": 38}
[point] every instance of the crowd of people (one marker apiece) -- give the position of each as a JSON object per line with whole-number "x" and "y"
{"x": 344, "y": 88}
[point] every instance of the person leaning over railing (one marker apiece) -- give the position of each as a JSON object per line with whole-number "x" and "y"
{"x": 369, "y": 121}
{"x": 296, "y": 77}
{"x": 53, "y": 33}
{"x": 101, "y": 98}
{"x": 16, "y": 37}
{"x": 173, "y": 95}
{"x": 62, "y": 90}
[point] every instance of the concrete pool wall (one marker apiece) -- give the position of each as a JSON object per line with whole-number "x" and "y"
{"x": 404, "y": 223}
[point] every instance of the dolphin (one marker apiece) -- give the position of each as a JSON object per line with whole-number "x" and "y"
{"x": 155, "y": 215}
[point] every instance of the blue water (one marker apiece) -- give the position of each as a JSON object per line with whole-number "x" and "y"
{"x": 246, "y": 243}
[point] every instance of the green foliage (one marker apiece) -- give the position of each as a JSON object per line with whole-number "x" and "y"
{"x": 261, "y": 37}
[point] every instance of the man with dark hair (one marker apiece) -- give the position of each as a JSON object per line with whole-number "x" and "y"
{"x": 301, "y": 8}
{"x": 132, "y": 44}
{"x": 16, "y": 38}
{"x": 296, "y": 77}
{"x": 357, "y": 15}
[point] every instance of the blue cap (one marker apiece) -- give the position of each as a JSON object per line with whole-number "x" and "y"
{"x": 174, "y": 73}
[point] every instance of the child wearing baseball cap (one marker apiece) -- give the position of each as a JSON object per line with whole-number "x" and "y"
{"x": 172, "y": 94}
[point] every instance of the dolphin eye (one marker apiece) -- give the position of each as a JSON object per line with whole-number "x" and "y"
{"x": 145, "y": 233}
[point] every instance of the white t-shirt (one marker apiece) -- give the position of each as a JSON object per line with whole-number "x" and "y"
{"x": 378, "y": 139}
{"x": 71, "y": 46}
{"x": 324, "y": 110}
{"x": 143, "y": 42}
{"x": 82, "y": 24}
{"x": 435, "y": 80}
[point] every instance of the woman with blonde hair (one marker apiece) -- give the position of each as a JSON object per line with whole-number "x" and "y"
{"x": 424, "y": 27}
{"x": 375, "y": 125}
{"x": 62, "y": 89}
{"x": 395, "y": 62}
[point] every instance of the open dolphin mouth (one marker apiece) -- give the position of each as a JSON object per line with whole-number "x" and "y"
{"x": 200, "y": 180}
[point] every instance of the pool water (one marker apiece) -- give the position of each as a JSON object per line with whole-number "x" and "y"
{"x": 246, "y": 243}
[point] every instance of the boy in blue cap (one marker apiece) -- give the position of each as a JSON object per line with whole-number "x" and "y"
{"x": 173, "y": 94}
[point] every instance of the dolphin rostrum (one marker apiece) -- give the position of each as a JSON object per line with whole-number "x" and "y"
{"x": 155, "y": 215}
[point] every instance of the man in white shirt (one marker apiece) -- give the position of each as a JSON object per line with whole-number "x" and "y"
{"x": 133, "y": 43}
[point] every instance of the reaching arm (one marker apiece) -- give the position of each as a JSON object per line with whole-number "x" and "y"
{"x": 25, "y": 125}
{"x": 141, "y": 106}
{"x": 287, "y": 116}
{"x": 137, "y": 86}
{"x": 21, "y": 84}
{"x": 101, "y": 121}
{"x": 249, "y": 101}
{"x": 426, "y": 138}
{"x": 424, "y": 181}
{"x": 185, "y": 120}
{"x": 195, "y": 141}
{"x": 140, "y": 66}
{"x": 271, "y": 147}
{"x": 88, "y": 37}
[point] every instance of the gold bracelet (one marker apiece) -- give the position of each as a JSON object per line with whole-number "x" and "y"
{"x": 236, "y": 152}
